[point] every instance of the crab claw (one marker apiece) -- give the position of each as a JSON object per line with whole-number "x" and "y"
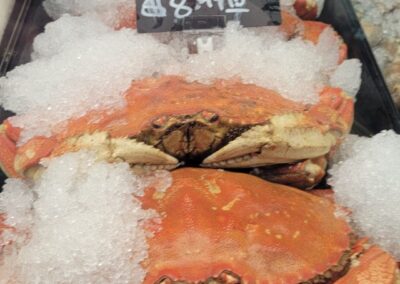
{"x": 335, "y": 109}
{"x": 304, "y": 175}
{"x": 106, "y": 148}
{"x": 374, "y": 266}
{"x": 286, "y": 139}
{"x": 8, "y": 149}
{"x": 123, "y": 149}
{"x": 290, "y": 25}
{"x": 29, "y": 154}
{"x": 290, "y": 138}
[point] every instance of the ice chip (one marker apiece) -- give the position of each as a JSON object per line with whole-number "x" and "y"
{"x": 89, "y": 71}
{"x": 79, "y": 223}
{"x": 80, "y": 64}
{"x": 64, "y": 33}
{"x": 366, "y": 180}
{"x": 347, "y": 148}
{"x": 348, "y": 77}
{"x": 328, "y": 46}
{"x": 296, "y": 69}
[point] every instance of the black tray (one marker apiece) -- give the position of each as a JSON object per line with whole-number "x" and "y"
{"x": 375, "y": 110}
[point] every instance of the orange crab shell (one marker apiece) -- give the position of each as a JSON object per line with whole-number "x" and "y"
{"x": 151, "y": 100}
{"x": 200, "y": 232}
{"x": 8, "y": 149}
{"x": 306, "y": 9}
{"x": 155, "y": 100}
{"x": 374, "y": 266}
{"x": 173, "y": 96}
{"x": 215, "y": 221}
{"x": 312, "y": 32}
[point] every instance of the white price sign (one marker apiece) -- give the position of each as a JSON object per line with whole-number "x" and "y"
{"x": 176, "y": 15}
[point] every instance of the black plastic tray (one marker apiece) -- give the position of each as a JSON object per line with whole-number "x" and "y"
{"x": 12, "y": 32}
{"x": 375, "y": 110}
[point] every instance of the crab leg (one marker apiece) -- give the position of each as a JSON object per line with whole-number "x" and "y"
{"x": 374, "y": 266}
{"x": 312, "y": 32}
{"x": 31, "y": 153}
{"x": 335, "y": 109}
{"x": 7, "y": 149}
{"x": 305, "y": 174}
{"x": 309, "y": 30}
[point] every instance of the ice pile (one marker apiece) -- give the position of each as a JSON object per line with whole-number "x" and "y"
{"x": 366, "y": 179}
{"x": 82, "y": 64}
{"x": 297, "y": 69}
{"x": 348, "y": 77}
{"x": 80, "y": 223}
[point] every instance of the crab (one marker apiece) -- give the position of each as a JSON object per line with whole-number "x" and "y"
{"x": 226, "y": 124}
{"x": 221, "y": 227}
{"x": 168, "y": 120}
{"x": 224, "y": 227}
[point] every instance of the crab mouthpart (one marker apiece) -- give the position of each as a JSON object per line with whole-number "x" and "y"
{"x": 186, "y": 136}
{"x": 285, "y": 139}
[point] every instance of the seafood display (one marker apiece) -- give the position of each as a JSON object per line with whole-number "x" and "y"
{"x": 202, "y": 220}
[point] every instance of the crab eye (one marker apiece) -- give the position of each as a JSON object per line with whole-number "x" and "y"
{"x": 165, "y": 280}
{"x": 159, "y": 122}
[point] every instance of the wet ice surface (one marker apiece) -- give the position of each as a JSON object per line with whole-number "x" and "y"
{"x": 80, "y": 63}
{"x": 84, "y": 223}
{"x": 365, "y": 178}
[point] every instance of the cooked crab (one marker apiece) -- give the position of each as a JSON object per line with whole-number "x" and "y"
{"x": 168, "y": 120}
{"x": 221, "y": 227}
{"x": 226, "y": 124}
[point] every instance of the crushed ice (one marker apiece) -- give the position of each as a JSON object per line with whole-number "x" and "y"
{"x": 108, "y": 11}
{"x": 79, "y": 223}
{"x": 77, "y": 69}
{"x": 80, "y": 63}
{"x": 348, "y": 77}
{"x": 365, "y": 178}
